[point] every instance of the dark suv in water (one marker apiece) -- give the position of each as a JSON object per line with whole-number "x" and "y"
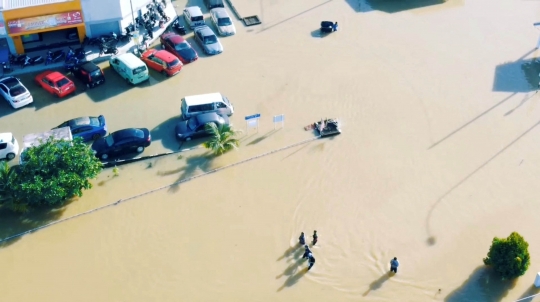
{"x": 214, "y": 3}
{"x": 89, "y": 73}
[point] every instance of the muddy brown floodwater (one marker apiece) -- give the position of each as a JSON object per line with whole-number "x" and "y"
{"x": 438, "y": 155}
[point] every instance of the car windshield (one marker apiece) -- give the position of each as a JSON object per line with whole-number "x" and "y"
{"x": 109, "y": 139}
{"x": 94, "y": 121}
{"x": 224, "y": 21}
{"x": 139, "y": 69}
{"x": 173, "y": 63}
{"x": 210, "y": 39}
{"x": 17, "y": 90}
{"x": 181, "y": 46}
{"x": 192, "y": 124}
{"x": 62, "y": 82}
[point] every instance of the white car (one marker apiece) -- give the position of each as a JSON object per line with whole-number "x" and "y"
{"x": 193, "y": 16}
{"x": 222, "y": 21}
{"x": 14, "y": 92}
{"x": 9, "y": 147}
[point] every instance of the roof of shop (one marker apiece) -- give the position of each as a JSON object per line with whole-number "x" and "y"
{"x": 13, "y": 4}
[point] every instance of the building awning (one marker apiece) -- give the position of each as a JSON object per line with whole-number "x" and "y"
{"x": 14, "y": 4}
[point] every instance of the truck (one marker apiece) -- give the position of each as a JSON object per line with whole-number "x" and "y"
{"x": 36, "y": 139}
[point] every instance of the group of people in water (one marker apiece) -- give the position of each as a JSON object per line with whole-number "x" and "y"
{"x": 307, "y": 252}
{"x": 394, "y": 263}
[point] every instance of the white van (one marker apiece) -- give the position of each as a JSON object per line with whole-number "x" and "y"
{"x": 205, "y": 103}
{"x": 36, "y": 139}
{"x": 193, "y": 16}
{"x": 131, "y": 68}
{"x": 9, "y": 147}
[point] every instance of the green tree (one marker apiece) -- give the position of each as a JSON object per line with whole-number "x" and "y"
{"x": 509, "y": 256}
{"x": 222, "y": 138}
{"x": 52, "y": 173}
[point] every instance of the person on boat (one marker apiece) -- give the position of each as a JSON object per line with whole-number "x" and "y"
{"x": 394, "y": 263}
{"x": 302, "y": 239}
{"x": 311, "y": 262}
{"x": 335, "y": 27}
{"x": 315, "y": 237}
{"x": 307, "y": 252}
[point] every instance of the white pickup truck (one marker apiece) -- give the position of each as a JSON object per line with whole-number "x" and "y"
{"x": 36, "y": 139}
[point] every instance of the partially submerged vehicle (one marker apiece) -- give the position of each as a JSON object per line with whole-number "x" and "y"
{"x": 36, "y": 139}
{"x": 327, "y": 127}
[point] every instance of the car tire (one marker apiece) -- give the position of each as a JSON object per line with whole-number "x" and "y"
{"x": 140, "y": 149}
{"x": 104, "y": 156}
{"x": 96, "y": 136}
{"x": 164, "y": 73}
{"x": 10, "y": 156}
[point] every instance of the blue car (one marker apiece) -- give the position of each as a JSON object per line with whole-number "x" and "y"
{"x": 86, "y": 127}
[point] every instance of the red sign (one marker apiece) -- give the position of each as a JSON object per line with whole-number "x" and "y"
{"x": 41, "y": 22}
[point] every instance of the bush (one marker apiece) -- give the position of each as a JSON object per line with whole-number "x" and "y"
{"x": 509, "y": 256}
{"x": 53, "y": 172}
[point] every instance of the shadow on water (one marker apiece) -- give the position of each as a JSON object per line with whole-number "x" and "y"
{"x": 482, "y": 285}
{"x": 520, "y": 75}
{"x": 318, "y": 34}
{"x": 201, "y": 163}
{"x": 529, "y": 294}
{"x": 165, "y": 132}
{"x": 431, "y": 238}
{"x": 390, "y": 6}
{"x": 375, "y": 285}
{"x": 289, "y": 252}
{"x": 297, "y": 150}
{"x": 15, "y": 223}
{"x": 265, "y": 136}
{"x": 294, "y": 273}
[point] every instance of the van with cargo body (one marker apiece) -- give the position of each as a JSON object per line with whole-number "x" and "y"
{"x": 205, "y": 103}
{"x": 193, "y": 16}
{"x": 129, "y": 67}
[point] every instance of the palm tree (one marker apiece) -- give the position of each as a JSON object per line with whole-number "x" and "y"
{"x": 221, "y": 138}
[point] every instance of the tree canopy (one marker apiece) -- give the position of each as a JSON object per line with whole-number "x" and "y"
{"x": 509, "y": 256}
{"x": 222, "y": 138}
{"x": 52, "y": 173}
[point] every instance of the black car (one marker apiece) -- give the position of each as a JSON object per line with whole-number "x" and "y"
{"x": 89, "y": 73}
{"x": 121, "y": 142}
{"x": 195, "y": 126}
{"x": 214, "y": 3}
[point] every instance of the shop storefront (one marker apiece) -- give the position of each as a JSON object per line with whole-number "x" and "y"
{"x": 44, "y": 26}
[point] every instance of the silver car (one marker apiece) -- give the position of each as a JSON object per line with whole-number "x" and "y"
{"x": 195, "y": 126}
{"x": 222, "y": 21}
{"x": 208, "y": 40}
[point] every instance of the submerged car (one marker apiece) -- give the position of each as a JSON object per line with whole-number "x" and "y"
{"x": 15, "y": 92}
{"x": 55, "y": 83}
{"x": 86, "y": 127}
{"x": 89, "y": 73}
{"x": 208, "y": 40}
{"x": 195, "y": 126}
{"x": 162, "y": 61}
{"x": 122, "y": 142}
{"x": 179, "y": 47}
{"x": 222, "y": 21}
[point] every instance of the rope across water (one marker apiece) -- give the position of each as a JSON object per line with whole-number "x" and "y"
{"x": 157, "y": 189}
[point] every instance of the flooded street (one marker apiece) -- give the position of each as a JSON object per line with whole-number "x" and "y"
{"x": 438, "y": 155}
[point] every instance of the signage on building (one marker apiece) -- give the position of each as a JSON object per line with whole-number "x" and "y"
{"x": 42, "y": 22}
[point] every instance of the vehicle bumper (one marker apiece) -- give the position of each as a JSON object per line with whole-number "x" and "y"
{"x": 22, "y": 103}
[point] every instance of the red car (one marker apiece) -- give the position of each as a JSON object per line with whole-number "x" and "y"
{"x": 162, "y": 61}
{"x": 179, "y": 47}
{"x": 55, "y": 83}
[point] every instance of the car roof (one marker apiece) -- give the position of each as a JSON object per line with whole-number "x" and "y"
{"x": 80, "y": 121}
{"x": 207, "y": 117}
{"x": 165, "y": 56}
{"x": 130, "y": 60}
{"x": 127, "y": 133}
{"x": 205, "y": 30}
{"x": 200, "y": 99}
{"x": 220, "y": 12}
{"x": 10, "y": 82}
{"x": 6, "y": 137}
{"x": 89, "y": 66}
{"x": 194, "y": 11}
{"x": 176, "y": 39}
{"x": 54, "y": 76}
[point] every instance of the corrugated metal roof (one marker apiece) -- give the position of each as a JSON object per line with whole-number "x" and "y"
{"x": 13, "y": 4}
